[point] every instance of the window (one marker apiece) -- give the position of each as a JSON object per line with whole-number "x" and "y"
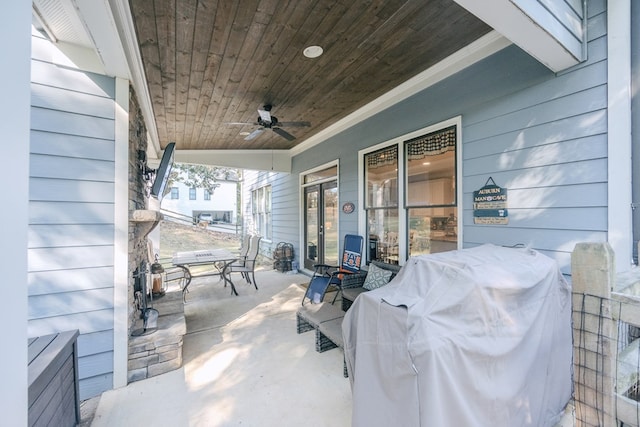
{"x": 192, "y": 193}
{"x": 175, "y": 193}
{"x": 431, "y": 192}
{"x": 207, "y": 195}
{"x": 381, "y": 178}
{"x": 420, "y": 215}
{"x": 321, "y": 175}
{"x": 261, "y": 211}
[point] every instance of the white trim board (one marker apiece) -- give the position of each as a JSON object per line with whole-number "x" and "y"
{"x": 620, "y": 218}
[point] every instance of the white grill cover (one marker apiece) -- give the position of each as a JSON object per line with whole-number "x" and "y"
{"x": 476, "y": 337}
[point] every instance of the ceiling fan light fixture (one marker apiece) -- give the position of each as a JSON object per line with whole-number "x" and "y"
{"x": 312, "y": 51}
{"x": 266, "y": 121}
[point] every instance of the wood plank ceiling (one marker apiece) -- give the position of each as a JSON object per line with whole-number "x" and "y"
{"x": 210, "y": 63}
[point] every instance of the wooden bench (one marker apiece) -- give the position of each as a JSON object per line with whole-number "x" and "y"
{"x": 53, "y": 380}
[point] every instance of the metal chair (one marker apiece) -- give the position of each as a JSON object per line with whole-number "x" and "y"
{"x": 246, "y": 265}
{"x": 244, "y": 249}
{"x": 325, "y": 275}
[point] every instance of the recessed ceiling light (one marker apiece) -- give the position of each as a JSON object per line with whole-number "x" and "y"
{"x": 244, "y": 133}
{"x": 312, "y": 51}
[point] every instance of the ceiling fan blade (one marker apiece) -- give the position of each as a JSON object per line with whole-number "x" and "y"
{"x": 241, "y": 124}
{"x": 294, "y": 124}
{"x": 283, "y": 133}
{"x": 254, "y": 134}
{"x": 265, "y": 115}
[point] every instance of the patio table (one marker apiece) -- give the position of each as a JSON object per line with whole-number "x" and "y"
{"x": 221, "y": 259}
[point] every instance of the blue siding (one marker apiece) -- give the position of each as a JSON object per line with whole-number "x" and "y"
{"x": 284, "y": 205}
{"x": 541, "y": 135}
{"x": 54, "y": 144}
{"x": 547, "y": 144}
{"x": 50, "y": 282}
{"x": 54, "y": 212}
{"x": 71, "y": 211}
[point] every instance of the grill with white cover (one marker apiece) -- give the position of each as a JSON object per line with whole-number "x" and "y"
{"x": 475, "y": 337}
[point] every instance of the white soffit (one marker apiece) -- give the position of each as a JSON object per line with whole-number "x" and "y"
{"x": 61, "y": 21}
{"x": 100, "y": 25}
{"x": 88, "y": 24}
{"x": 522, "y": 29}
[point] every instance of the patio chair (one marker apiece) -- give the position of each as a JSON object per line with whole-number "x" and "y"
{"x": 244, "y": 249}
{"x": 242, "y": 255}
{"x": 325, "y": 275}
{"x": 246, "y": 265}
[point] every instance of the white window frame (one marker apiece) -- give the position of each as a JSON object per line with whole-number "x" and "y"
{"x": 177, "y": 193}
{"x": 402, "y": 210}
{"x": 261, "y": 211}
{"x": 302, "y": 185}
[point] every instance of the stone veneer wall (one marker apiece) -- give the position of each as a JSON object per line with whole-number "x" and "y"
{"x": 160, "y": 351}
{"x": 137, "y": 196}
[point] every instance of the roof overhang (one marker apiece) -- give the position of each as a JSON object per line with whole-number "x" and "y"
{"x": 554, "y": 34}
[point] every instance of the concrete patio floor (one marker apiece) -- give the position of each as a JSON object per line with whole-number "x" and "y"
{"x": 243, "y": 364}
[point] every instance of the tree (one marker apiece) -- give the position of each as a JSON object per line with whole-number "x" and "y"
{"x": 202, "y": 176}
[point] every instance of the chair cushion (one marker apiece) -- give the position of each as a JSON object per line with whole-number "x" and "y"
{"x": 376, "y": 277}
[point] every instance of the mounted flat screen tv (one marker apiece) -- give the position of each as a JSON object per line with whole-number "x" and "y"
{"x": 163, "y": 172}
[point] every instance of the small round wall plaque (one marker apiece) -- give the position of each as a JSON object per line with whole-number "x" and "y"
{"x": 348, "y": 208}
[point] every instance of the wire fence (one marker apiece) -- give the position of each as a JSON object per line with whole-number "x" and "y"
{"x": 606, "y": 362}
{"x": 606, "y": 340}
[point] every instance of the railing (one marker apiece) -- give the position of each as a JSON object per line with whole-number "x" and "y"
{"x": 177, "y": 217}
{"x": 189, "y": 220}
{"x": 606, "y": 324}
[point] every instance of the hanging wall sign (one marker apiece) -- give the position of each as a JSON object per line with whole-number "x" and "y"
{"x": 490, "y": 204}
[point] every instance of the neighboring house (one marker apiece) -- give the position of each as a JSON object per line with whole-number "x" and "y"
{"x": 221, "y": 204}
{"x": 560, "y": 143}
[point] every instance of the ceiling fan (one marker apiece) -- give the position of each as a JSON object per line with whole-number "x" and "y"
{"x": 267, "y": 121}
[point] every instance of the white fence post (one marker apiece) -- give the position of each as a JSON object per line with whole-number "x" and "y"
{"x": 594, "y": 334}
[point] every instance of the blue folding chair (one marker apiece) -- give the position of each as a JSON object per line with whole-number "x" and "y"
{"x": 325, "y": 275}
